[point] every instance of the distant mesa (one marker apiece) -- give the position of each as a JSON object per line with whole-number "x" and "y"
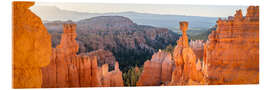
{"x": 107, "y": 23}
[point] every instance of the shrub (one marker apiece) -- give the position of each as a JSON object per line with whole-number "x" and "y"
{"x": 132, "y": 76}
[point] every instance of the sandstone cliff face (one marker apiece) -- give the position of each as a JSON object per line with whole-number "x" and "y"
{"x": 232, "y": 52}
{"x": 67, "y": 69}
{"x": 31, "y": 47}
{"x": 186, "y": 70}
{"x": 157, "y": 71}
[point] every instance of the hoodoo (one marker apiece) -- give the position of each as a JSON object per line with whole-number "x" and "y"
{"x": 232, "y": 52}
{"x": 67, "y": 69}
{"x": 186, "y": 72}
{"x": 31, "y": 47}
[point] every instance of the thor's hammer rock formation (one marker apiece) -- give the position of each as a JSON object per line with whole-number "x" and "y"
{"x": 186, "y": 72}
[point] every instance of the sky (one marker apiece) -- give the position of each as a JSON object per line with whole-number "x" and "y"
{"x": 171, "y": 9}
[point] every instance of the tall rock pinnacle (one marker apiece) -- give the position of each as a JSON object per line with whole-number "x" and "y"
{"x": 184, "y": 28}
{"x": 186, "y": 71}
{"x": 68, "y": 41}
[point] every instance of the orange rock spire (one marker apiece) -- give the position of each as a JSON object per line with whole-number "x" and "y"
{"x": 186, "y": 71}
{"x": 68, "y": 69}
{"x": 68, "y": 41}
{"x": 184, "y": 28}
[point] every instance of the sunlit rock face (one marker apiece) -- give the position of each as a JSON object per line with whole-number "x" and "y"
{"x": 157, "y": 71}
{"x": 232, "y": 52}
{"x": 31, "y": 46}
{"x": 187, "y": 68}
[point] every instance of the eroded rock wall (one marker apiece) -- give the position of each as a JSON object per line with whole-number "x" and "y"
{"x": 157, "y": 71}
{"x": 31, "y": 46}
{"x": 232, "y": 52}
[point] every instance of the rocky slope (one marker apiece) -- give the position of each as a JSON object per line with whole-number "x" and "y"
{"x": 232, "y": 52}
{"x": 130, "y": 43}
{"x": 31, "y": 46}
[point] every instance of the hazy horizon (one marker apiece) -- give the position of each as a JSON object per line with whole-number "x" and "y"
{"x": 163, "y": 9}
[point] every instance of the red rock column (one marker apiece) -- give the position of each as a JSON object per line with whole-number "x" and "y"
{"x": 61, "y": 72}
{"x": 73, "y": 76}
{"x": 85, "y": 71}
{"x": 184, "y": 28}
{"x": 186, "y": 72}
{"x": 68, "y": 42}
{"x": 65, "y": 51}
{"x": 95, "y": 77}
{"x": 31, "y": 46}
